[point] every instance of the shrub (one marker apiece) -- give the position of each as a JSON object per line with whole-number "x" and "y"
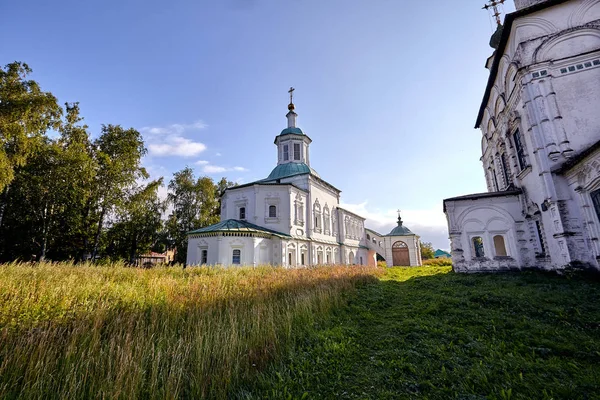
{"x": 438, "y": 262}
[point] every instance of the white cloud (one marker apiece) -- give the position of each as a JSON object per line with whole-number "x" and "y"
{"x": 169, "y": 140}
{"x": 173, "y": 129}
{"x": 218, "y": 154}
{"x": 176, "y": 146}
{"x": 213, "y": 169}
{"x": 201, "y": 162}
{"x": 216, "y": 169}
{"x": 430, "y": 224}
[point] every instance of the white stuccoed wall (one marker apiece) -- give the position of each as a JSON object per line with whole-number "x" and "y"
{"x": 558, "y": 116}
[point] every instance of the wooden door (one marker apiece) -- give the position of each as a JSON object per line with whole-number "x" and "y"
{"x": 400, "y": 254}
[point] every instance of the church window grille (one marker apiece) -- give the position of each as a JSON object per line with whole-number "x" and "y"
{"x": 540, "y": 236}
{"x": 236, "y": 257}
{"x": 296, "y": 151}
{"x": 520, "y": 150}
{"x": 286, "y": 152}
{"x": 302, "y": 256}
{"x": 242, "y": 212}
{"x": 500, "y": 246}
{"x": 272, "y": 211}
{"x": 204, "y": 258}
{"x": 478, "y": 246}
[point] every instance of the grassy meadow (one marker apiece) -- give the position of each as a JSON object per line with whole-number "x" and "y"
{"x": 322, "y": 333}
{"x": 114, "y": 332}
{"x": 432, "y": 334}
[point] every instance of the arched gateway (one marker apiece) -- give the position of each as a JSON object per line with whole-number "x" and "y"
{"x": 400, "y": 255}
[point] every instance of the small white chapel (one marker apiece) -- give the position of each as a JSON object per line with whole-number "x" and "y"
{"x": 540, "y": 144}
{"x": 293, "y": 218}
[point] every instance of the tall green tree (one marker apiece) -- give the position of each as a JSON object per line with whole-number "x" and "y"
{"x": 138, "y": 222}
{"x": 26, "y": 113}
{"x": 427, "y": 251}
{"x": 118, "y": 153}
{"x": 195, "y": 204}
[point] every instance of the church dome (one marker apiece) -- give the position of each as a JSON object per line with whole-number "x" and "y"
{"x": 290, "y": 169}
{"x": 400, "y": 230}
{"x": 291, "y": 130}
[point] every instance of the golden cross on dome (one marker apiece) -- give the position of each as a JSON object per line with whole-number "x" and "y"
{"x": 493, "y": 4}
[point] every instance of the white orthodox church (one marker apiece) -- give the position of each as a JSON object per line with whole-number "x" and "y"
{"x": 293, "y": 218}
{"x": 540, "y": 124}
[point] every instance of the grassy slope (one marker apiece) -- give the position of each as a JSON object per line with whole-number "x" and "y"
{"x": 424, "y": 332}
{"x": 80, "y": 332}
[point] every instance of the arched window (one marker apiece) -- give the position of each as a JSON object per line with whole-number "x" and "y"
{"x": 500, "y": 246}
{"x": 242, "y": 212}
{"x": 236, "y": 257}
{"x": 272, "y": 211}
{"x": 351, "y": 258}
{"x": 478, "y": 246}
{"x": 317, "y": 216}
{"x": 368, "y": 237}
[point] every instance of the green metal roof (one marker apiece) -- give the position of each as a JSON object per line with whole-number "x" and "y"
{"x": 400, "y": 230}
{"x": 441, "y": 253}
{"x": 290, "y": 169}
{"x": 234, "y": 225}
{"x": 296, "y": 131}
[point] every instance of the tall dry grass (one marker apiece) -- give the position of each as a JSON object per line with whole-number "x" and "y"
{"x": 70, "y": 331}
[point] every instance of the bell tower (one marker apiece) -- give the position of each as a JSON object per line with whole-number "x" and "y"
{"x": 292, "y": 143}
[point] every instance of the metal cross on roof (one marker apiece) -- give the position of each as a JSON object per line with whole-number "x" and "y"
{"x": 291, "y": 92}
{"x": 493, "y": 4}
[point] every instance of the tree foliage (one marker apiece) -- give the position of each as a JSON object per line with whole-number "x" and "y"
{"x": 427, "y": 251}
{"x": 67, "y": 197}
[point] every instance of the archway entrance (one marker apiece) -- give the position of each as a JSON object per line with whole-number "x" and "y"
{"x": 400, "y": 254}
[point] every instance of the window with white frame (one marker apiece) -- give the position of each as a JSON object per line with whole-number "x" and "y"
{"x": 477, "y": 243}
{"x": 500, "y": 246}
{"x": 204, "y": 257}
{"x": 272, "y": 211}
{"x": 242, "y": 212}
{"x": 317, "y": 216}
{"x": 286, "y": 152}
{"x": 236, "y": 257}
{"x": 297, "y": 151}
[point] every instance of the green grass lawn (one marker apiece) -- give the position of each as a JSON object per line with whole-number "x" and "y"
{"x": 429, "y": 333}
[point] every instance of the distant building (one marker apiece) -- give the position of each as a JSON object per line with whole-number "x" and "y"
{"x": 540, "y": 146}
{"x": 153, "y": 258}
{"x": 441, "y": 254}
{"x": 293, "y": 218}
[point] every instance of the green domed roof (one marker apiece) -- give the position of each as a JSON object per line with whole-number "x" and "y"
{"x": 290, "y": 169}
{"x": 288, "y": 131}
{"x": 400, "y": 230}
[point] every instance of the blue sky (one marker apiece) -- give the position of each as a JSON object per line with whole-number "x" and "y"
{"x": 387, "y": 89}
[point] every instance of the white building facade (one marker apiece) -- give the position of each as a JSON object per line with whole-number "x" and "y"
{"x": 540, "y": 123}
{"x": 291, "y": 218}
